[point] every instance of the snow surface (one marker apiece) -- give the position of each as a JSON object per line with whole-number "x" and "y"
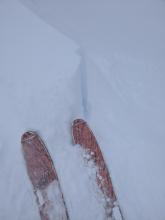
{"x": 113, "y": 76}
{"x": 54, "y": 205}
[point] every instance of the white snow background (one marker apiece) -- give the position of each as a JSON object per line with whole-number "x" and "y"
{"x": 112, "y": 73}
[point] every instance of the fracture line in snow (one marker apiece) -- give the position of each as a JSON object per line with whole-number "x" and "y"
{"x": 83, "y": 82}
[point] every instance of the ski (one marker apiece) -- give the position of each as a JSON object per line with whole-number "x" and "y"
{"x": 83, "y": 136}
{"x": 43, "y": 177}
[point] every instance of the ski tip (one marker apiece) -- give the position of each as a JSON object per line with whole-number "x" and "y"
{"x": 77, "y": 126}
{"x": 28, "y": 135}
{"x": 39, "y": 163}
{"x": 78, "y": 121}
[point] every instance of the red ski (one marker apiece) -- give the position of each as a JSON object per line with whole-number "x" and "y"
{"x": 83, "y": 136}
{"x": 43, "y": 177}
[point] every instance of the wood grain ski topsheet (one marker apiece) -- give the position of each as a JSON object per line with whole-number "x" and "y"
{"x": 83, "y": 136}
{"x": 39, "y": 164}
{"x": 43, "y": 177}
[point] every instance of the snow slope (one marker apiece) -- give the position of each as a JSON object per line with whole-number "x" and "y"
{"x": 123, "y": 87}
{"x": 135, "y": 28}
{"x": 130, "y": 129}
{"x": 39, "y": 90}
{"x": 116, "y": 81}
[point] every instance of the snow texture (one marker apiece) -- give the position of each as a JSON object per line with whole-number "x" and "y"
{"x": 54, "y": 206}
{"x": 111, "y": 73}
